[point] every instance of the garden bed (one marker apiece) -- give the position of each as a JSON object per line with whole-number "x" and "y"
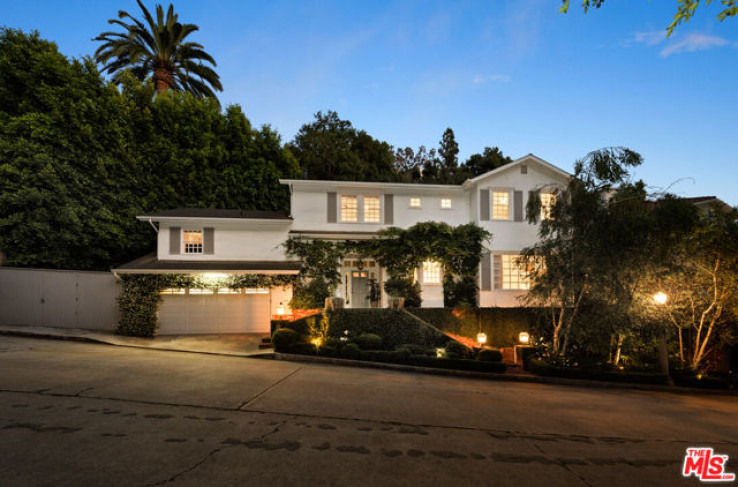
{"x": 545, "y": 369}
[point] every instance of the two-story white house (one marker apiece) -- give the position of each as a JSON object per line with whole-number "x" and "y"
{"x": 221, "y": 242}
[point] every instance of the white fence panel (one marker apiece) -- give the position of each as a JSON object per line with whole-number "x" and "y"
{"x": 58, "y": 299}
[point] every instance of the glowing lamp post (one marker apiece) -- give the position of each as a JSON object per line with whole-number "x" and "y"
{"x": 524, "y": 338}
{"x": 281, "y": 309}
{"x": 660, "y": 298}
{"x": 481, "y": 338}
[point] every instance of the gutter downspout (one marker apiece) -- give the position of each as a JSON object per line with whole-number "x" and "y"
{"x": 153, "y": 226}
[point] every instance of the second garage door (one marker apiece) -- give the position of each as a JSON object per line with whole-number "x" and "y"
{"x": 181, "y": 314}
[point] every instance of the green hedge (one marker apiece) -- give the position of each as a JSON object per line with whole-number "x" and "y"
{"x": 501, "y": 325}
{"x": 543, "y": 368}
{"x": 396, "y": 327}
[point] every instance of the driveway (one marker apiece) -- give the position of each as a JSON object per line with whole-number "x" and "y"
{"x": 74, "y": 413}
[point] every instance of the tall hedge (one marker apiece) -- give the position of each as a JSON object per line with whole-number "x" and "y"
{"x": 396, "y": 327}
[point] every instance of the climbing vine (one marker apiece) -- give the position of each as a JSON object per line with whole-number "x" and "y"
{"x": 138, "y": 302}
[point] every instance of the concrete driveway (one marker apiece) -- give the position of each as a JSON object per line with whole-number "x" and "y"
{"x": 73, "y": 413}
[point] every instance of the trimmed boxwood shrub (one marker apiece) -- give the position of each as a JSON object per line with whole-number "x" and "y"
{"x": 283, "y": 339}
{"x": 368, "y": 341}
{"x": 489, "y": 355}
{"x": 301, "y": 348}
{"x": 455, "y": 350}
{"x": 543, "y": 368}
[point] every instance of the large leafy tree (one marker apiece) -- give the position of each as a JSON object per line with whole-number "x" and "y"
{"x": 685, "y": 10}
{"x": 158, "y": 48}
{"x": 330, "y": 148}
{"x": 490, "y": 158}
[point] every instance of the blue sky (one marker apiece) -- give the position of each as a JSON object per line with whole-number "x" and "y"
{"x": 513, "y": 74}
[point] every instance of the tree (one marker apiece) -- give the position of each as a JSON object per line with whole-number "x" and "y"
{"x": 413, "y": 166}
{"x": 330, "y": 148}
{"x": 685, "y": 10}
{"x": 491, "y": 158}
{"x": 158, "y": 48}
{"x": 449, "y": 154}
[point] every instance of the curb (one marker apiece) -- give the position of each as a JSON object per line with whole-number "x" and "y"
{"x": 535, "y": 379}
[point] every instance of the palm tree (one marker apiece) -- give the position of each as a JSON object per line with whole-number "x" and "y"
{"x": 158, "y": 49}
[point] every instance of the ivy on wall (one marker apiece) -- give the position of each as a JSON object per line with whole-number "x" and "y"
{"x": 138, "y": 302}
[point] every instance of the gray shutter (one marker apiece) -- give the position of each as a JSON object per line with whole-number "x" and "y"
{"x": 486, "y": 272}
{"x": 389, "y": 210}
{"x": 332, "y": 207}
{"x": 208, "y": 240}
{"x": 420, "y": 274}
{"x": 484, "y": 204}
{"x": 518, "y": 205}
{"x": 534, "y": 196}
{"x": 497, "y": 260}
{"x": 174, "y": 240}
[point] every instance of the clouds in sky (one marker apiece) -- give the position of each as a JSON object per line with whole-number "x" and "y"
{"x": 493, "y": 78}
{"x": 692, "y": 42}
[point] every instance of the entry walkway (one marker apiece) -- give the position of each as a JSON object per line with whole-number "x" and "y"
{"x": 245, "y": 345}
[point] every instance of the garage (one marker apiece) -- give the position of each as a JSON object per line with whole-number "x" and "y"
{"x": 201, "y": 311}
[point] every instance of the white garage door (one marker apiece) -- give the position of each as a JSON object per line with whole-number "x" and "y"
{"x": 181, "y": 314}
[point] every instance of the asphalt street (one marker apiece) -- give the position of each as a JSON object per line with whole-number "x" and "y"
{"x": 85, "y": 414}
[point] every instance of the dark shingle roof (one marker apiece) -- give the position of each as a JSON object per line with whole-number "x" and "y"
{"x": 216, "y": 213}
{"x": 149, "y": 263}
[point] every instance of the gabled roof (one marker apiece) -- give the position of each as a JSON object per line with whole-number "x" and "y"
{"x": 210, "y": 213}
{"x": 527, "y": 159}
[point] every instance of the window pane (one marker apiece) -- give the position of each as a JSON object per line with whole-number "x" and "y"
{"x": 192, "y": 241}
{"x": 501, "y": 205}
{"x": 371, "y": 209}
{"x": 514, "y": 276}
{"x": 548, "y": 200}
{"x": 446, "y": 203}
{"x": 349, "y": 208}
{"x": 431, "y": 272}
{"x": 415, "y": 202}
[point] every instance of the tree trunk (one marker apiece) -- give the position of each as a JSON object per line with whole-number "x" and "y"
{"x": 163, "y": 80}
{"x": 620, "y": 347}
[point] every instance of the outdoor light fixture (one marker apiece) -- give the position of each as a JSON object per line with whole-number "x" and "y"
{"x": 281, "y": 309}
{"x": 482, "y": 338}
{"x": 524, "y": 338}
{"x": 660, "y": 297}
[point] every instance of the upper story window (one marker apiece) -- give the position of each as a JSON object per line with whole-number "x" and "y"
{"x": 192, "y": 241}
{"x": 500, "y": 205}
{"x": 415, "y": 202}
{"x": 514, "y": 275}
{"x": 371, "y": 209}
{"x": 446, "y": 203}
{"x": 349, "y": 208}
{"x": 548, "y": 200}
{"x": 431, "y": 272}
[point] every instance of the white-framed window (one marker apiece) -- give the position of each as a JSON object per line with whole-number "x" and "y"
{"x": 431, "y": 273}
{"x": 445, "y": 203}
{"x": 415, "y": 202}
{"x": 514, "y": 275}
{"x": 192, "y": 240}
{"x": 500, "y": 204}
{"x": 548, "y": 200}
{"x": 371, "y": 209}
{"x": 349, "y": 208}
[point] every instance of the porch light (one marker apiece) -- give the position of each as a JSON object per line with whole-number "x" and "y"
{"x": 481, "y": 338}
{"x": 281, "y": 309}
{"x": 524, "y": 338}
{"x": 660, "y": 298}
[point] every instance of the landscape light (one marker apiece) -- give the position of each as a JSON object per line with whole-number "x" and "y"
{"x": 524, "y": 338}
{"x": 482, "y": 338}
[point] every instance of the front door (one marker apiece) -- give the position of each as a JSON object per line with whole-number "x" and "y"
{"x": 359, "y": 289}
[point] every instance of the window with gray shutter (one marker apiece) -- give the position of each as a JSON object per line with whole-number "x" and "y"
{"x": 174, "y": 240}
{"x": 518, "y": 205}
{"x": 486, "y": 272}
{"x": 389, "y": 210}
{"x": 497, "y": 268}
{"x": 484, "y": 204}
{"x": 332, "y": 208}
{"x": 208, "y": 237}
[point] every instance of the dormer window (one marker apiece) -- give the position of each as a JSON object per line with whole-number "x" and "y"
{"x": 415, "y": 202}
{"x": 192, "y": 240}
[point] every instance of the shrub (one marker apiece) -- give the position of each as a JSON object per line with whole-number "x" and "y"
{"x": 328, "y": 351}
{"x": 456, "y": 350}
{"x": 310, "y": 295}
{"x": 283, "y": 339}
{"x": 396, "y": 327}
{"x": 351, "y": 351}
{"x": 413, "y": 349}
{"x": 543, "y": 368}
{"x": 489, "y": 355}
{"x": 368, "y": 341}
{"x": 404, "y": 288}
{"x": 461, "y": 292}
{"x": 301, "y": 348}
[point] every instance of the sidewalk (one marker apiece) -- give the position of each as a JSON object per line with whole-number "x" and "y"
{"x": 240, "y": 345}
